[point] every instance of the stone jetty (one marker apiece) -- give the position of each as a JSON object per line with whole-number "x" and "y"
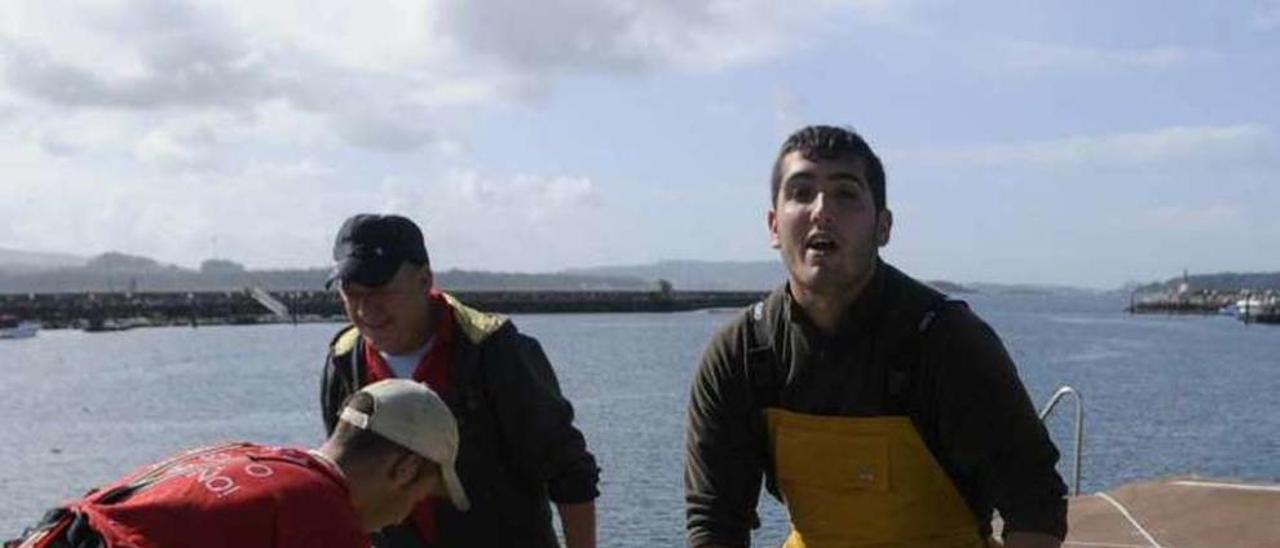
{"x": 118, "y": 310}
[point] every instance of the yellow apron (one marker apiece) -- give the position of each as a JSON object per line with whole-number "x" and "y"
{"x": 855, "y": 481}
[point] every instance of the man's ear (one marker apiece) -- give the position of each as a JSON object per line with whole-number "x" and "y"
{"x": 884, "y": 227}
{"x": 404, "y": 468}
{"x": 772, "y": 220}
{"x": 426, "y": 278}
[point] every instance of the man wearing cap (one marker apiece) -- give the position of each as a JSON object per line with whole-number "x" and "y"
{"x": 395, "y": 444}
{"x": 520, "y": 448}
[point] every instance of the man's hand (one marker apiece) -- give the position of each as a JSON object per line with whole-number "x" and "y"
{"x": 579, "y": 524}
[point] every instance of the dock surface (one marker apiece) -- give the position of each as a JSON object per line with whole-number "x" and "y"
{"x": 1187, "y": 512}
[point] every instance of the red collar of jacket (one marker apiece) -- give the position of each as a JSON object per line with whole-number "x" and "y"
{"x": 432, "y": 370}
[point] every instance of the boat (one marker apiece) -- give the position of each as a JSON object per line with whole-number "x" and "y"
{"x": 1258, "y": 309}
{"x": 1249, "y": 306}
{"x": 1270, "y": 314}
{"x": 13, "y": 328}
{"x": 100, "y": 325}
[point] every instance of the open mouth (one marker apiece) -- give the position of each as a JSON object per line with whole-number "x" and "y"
{"x": 821, "y": 243}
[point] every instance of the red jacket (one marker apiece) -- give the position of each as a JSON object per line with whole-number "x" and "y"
{"x": 234, "y": 495}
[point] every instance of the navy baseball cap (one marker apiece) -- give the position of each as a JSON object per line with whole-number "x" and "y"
{"x": 370, "y": 248}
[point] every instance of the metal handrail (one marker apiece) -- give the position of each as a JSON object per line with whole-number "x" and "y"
{"x": 1048, "y": 408}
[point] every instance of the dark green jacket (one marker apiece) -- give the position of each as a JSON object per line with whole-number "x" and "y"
{"x": 518, "y": 446}
{"x": 902, "y": 350}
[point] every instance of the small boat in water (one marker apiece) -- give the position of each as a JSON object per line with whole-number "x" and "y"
{"x": 1260, "y": 309}
{"x": 101, "y": 325}
{"x": 13, "y": 328}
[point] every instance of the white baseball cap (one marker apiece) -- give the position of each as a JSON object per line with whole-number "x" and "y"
{"x": 411, "y": 415}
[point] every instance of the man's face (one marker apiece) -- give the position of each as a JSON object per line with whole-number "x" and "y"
{"x": 394, "y": 315}
{"x": 824, "y": 223}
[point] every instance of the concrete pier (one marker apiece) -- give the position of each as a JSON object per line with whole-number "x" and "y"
{"x": 112, "y": 310}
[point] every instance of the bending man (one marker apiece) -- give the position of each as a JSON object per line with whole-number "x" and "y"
{"x": 394, "y": 445}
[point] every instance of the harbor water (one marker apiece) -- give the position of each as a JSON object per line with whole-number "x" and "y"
{"x": 1164, "y": 395}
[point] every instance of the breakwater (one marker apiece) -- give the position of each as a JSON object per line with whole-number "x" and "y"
{"x": 1250, "y": 306}
{"x": 119, "y": 310}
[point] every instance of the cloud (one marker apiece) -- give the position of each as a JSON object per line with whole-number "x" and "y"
{"x": 181, "y": 148}
{"x": 1204, "y": 145}
{"x": 531, "y": 197}
{"x": 174, "y": 55}
{"x": 1268, "y": 15}
{"x": 381, "y": 79}
{"x": 57, "y": 145}
{"x": 284, "y": 213}
{"x": 156, "y": 127}
{"x": 1214, "y": 218}
{"x": 267, "y": 214}
{"x": 788, "y": 110}
{"x": 623, "y": 36}
{"x": 178, "y": 60}
{"x": 500, "y": 222}
{"x": 1030, "y": 55}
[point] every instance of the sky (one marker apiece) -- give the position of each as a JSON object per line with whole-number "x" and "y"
{"x": 1089, "y": 143}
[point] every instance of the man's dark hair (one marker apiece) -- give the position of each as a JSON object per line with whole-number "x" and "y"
{"x": 358, "y": 441}
{"x": 365, "y": 444}
{"x": 831, "y": 143}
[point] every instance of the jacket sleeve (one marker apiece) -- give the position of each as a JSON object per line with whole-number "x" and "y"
{"x": 724, "y": 455}
{"x": 328, "y": 408}
{"x": 537, "y": 421}
{"x": 991, "y": 433}
{"x": 335, "y": 385}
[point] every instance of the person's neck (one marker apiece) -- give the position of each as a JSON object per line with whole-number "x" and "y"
{"x": 335, "y": 455}
{"x": 356, "y": 474}
{"x": 827, "y": 307}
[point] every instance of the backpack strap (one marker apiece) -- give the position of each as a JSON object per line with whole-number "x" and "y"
{"x": 764, "y": 382}
{"x": 907, "y": 363}
{"x": 762, "y": 367}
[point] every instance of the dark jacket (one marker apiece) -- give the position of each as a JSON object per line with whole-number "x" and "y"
{"x": 518, "y": 446}
{"x": 902, "y": 350}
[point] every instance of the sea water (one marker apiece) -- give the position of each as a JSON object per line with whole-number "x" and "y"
{"x": 1164, "y": 395}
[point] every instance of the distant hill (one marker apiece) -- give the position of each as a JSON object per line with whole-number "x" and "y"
{"x": 1222, "y": 281}
{"x": 1029, "y": 289}
{"x": 120, "y": 272}
{"x": 115, "y": 271}
{"x": 950, "y": 288}
{"x": 472, "y": 280}
{"x": 13, "y": 260}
